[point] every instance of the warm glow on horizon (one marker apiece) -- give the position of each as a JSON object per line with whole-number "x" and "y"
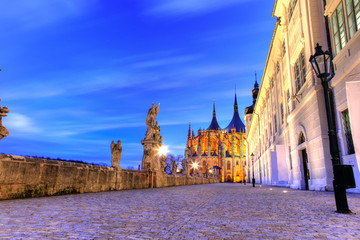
{"x": 163, "y": 150}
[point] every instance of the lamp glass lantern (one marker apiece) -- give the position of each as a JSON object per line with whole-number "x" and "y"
{"x": 321, "y": 63}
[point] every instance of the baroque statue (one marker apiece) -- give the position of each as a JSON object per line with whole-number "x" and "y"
{"x": 152, "y": 141}
{"x": 116, "y": 150}
{"x": 3, "y": 131}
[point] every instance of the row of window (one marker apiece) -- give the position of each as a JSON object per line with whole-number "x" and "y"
{"x": 291, "y": 8}
{"x": 345, "y": 30}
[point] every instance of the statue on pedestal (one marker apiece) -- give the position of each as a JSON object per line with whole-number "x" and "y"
{"x": 185, "y": 166}
{"x": 3, "y": 131}
{"x": 116, "y": 150}
{"x": 162, "y": 162}
{"x": 152, "y": 141}
{"x": 174, "y": 167}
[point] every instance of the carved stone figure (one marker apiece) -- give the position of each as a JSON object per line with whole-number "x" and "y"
{"x": 150, "y": 122}
{"x": 174, "y": 167}
{"x": 185, "y": 166}
{"x": 3, "y": 131}
{"x": 163, "y": 162}
{"x": 152, "y": 141}
{"x": 116, "y": 150}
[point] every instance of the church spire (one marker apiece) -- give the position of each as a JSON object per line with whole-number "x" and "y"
{"x": 189, "y": 133}
{"x": 236, "y": 121}
{"x": 255, "y": 90}
{"x": 235, "y": 104}
{"x": 214, "y": 112}
{"x": 214, "y": 124}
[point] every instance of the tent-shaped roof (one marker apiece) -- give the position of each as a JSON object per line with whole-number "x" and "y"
{"x": 214, "y": 124}
{"x": 236, "y": 121}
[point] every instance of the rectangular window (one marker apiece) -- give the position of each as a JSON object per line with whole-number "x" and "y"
{"x": 300, "y": 71}
{"x": 338, "y": 24}
{"x": 275, "y": 124}
{"x": 347, "y": 131}
{"x": 288, "y": 100}
{"x": 291, "y": 8}
{"x": 283, "y": 48}
{"x": 282, "y": 113}
{"x": 353, "y": 16}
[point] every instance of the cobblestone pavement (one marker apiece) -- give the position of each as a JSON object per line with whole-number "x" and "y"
{"x": 213, "y": 211}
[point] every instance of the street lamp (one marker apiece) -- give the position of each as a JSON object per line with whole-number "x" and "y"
{"x": 253, "y": 176}
{"x": 322, "y": 63}
{"x": 243, "y": 166}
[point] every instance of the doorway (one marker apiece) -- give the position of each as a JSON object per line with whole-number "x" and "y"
{"x": 228, "y": 178}
{"x": 306, "y": 168}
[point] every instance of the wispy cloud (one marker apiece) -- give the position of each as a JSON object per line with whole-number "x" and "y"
{"x": 27, "y": 14}
{"x": 189, "y": 7}
{"x": 71, "y": 84}
{"x": 165, "y": 61}
{"x": 20, "y": 124}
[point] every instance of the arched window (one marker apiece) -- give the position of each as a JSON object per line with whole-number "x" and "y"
{"x": 301, "y": 138}
{"x": 237, "y": 163}
{"x": 228, "y": 165}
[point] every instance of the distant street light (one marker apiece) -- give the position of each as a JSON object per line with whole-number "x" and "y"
{"x": 195, "y": 166}
{"x": 343, "y": 176}
{"x": 253, "y": 175}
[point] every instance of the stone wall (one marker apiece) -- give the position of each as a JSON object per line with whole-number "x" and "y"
{"x": 22, "y": 177}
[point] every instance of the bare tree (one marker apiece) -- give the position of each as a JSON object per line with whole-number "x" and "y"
{"x": 172, "y": 163}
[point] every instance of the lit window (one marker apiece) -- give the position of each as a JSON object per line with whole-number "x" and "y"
{"x": 353, "y": 16}
{"x": 300, "y": 71}
{"x": 347, "y": 131}
{"x": 338, "y": 25}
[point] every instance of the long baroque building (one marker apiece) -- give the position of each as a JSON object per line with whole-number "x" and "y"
{"x": 217, "y": 148}
{"x": 287, "y": 133}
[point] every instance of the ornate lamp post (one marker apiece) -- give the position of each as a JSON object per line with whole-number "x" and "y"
{"x": 253, "y": 175}
{"x": 322, "y": 63}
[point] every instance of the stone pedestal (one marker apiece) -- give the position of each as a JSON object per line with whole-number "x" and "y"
{"x": 150, "y": 161}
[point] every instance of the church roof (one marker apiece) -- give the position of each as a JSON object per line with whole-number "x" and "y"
{"x": 236, "y": 121}
{"x": 214, "y": 124}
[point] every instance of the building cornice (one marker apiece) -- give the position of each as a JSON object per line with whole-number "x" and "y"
{"x": 265, "y": 69}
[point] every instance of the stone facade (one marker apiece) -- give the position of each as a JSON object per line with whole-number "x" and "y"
{"x": 22, "y": 177}
{"x": 287, "y": 131}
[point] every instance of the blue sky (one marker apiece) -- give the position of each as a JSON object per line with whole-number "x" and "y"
{"x": 77, "y": 74}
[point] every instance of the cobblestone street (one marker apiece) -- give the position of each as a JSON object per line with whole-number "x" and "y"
{"x": 213, "y": 211}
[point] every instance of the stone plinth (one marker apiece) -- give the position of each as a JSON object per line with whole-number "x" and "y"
{"x": 150, "y": 161}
